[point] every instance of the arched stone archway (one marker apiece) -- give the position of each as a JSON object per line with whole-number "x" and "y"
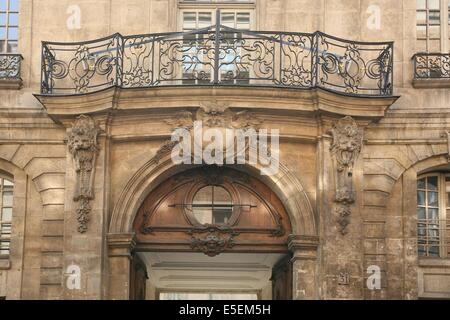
{"x": 303, "y": 241}
{"x": 285, "y": 184}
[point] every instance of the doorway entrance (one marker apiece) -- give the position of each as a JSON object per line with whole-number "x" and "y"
{"x": 211, "y": 233}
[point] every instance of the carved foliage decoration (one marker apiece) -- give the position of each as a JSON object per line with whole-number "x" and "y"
{"x": 212, "y": 114}
{"x": 345, "y": 148}
{"x": 83, "y": 145}
{"x": 218, "y": 114}
{"x": 216, "y": 240}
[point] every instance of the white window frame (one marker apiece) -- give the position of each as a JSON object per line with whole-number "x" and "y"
{"x": 212, "y": 6}
{"x": 7, "y": 26}
{"x": 444, "y": 231}
{"x": 224, "y": 7}
{"x": 444, "y": 27}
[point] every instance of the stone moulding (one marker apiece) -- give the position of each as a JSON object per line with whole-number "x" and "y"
{"x": 83, "y": 145}
{"x": 345, "y": 149}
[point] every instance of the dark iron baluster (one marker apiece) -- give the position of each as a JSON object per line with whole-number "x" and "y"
{"x": 217, "y": 48}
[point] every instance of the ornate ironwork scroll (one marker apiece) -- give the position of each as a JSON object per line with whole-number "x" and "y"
{"x": 431, "y": 65}
{"x": 83, "y": 145}
{"x": 219, "y": 55}
{"x": 345, "y": 148}
{"x": 10, "y": 66}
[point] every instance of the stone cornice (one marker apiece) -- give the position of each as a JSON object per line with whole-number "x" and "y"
{"x": 311, "y": 102}
{"x": 431, "y": 83}
{"x": 121, "y": 244}
{"x": 303, "y": 243}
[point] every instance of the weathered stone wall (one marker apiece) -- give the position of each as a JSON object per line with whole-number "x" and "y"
{"x": 382, "y": 227}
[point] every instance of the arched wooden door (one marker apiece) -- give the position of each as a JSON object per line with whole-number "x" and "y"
{"x": 213, "y": 210}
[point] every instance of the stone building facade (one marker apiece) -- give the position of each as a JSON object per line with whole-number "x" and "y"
{"x": 94, "y": 207}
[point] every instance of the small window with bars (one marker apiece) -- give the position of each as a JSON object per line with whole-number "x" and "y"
{"x": 9, "y": 26}
{"x": 6, "y": 208}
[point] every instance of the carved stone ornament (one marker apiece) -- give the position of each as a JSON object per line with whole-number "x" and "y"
{"x": 164, "y": 149}
{"x": 446, "y": 134}
{"x": 216, "y": 240}
{"x": 83, "y": 145}
{"x": 215, "y": 114}
{"x": 182, "y": 119}
{"x": 345, "y": 148}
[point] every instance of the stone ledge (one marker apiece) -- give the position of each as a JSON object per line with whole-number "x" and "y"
{"x": 431, "y": 83}
{"x": 5, "y": 263}
{"x": 282, "y": 100}
{"x": 11, "y": 84}
{"x": 434, "y": 262}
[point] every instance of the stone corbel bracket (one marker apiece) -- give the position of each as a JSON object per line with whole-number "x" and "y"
{"x": 345, "y": 149}
{"x": 446, "y": 135}
{"x": 83, "y": 145}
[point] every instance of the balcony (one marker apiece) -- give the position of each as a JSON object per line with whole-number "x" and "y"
{"x": 431, "y": 70}
{"x": 219, "y": 56}
{"x": 10, "y": 71}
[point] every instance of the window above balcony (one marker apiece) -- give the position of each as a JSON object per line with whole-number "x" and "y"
{"x": 10, "y": 61}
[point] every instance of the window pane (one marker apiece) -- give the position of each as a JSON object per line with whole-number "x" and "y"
{"x": 12, "y": 46}
{"x": 421, "y": 198}
{"x": 434, "y": 4}
{"x": 422, "y": 251}
{"x": 421, "y": 183}
{"x": 13, "y": 33}
{"x": 3, "y": 19}
{"x": 421, "y": 213}
{"x": 189, "y": 20}
{"x": 432, "y": 183}
{"x": 434, "y": 17}
{"x": 7, "y": 199}
{"x": 422, "y": 33}
{"x": 14, "y": 5}
{"x": 243, "y": 21}
{"x": 433, "y": 215}
{"x": 6, "y": 214}
{"x": 204, "y": 19}
{"x": 222, "y": 206}
{"x": 434, "y": 45}
{"x": 228, "y": 19}
{"x": 202, "y": 205}
{"x": 421, "y": 17}
{"x": 421, "y": 4}
{"x": 13, "y": 19}
{"x": 433, "y": 200}
{"x": 3, "y": 5}
{"x": 434, "y": 32}
{"x": 8, "y": 183}
{"x": 421, "y": 231}
{"x": 433, "y": 251}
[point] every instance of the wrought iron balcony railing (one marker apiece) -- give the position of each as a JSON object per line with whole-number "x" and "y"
{"x": 10, "y": 64}
{"x": 431, "y": 65}
{"x": 219, "y": 55}
{"x": 433, "y": 237}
